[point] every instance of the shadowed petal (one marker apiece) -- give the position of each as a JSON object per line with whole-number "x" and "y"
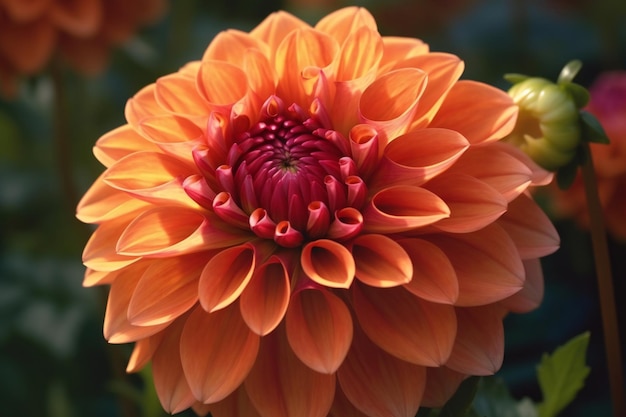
{"x": 143, "y": 351}
{"x": 319, "y": 329}
{"x": 328, "y": 263}
{"x": 471, "y": 108}
{"x": 265, "y": 299}
{"x": 120, "y": 142}
{"x": 405, "y": 326}
{"x": 379, "y": 384}
{"x": 479, "y": 345}
{"x": 441, "y": 384}
{"x": 434, "y": 278}
{"x": 380, "y": 261}
{"x": 531, "y": 295}
{"x": 167, "y": 289}
{"x": 279, "y": 385}
{"x": 79, "y": 18}
{"x": 237, "y": 404}
{"x": 100, "y": 254}
{"x": 344, "y": 22}
{"x": 217, "y": 351}
{"x": 486, "y": 262}
{"x": 342, "y": 407}
{"x": 402, "y": 208}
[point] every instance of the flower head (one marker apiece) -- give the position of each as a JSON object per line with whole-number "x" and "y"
{"x": 314, "y": 221}
{"x": 82, "y": 31}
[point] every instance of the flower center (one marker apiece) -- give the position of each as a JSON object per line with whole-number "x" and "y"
{"x": 291, "y": 175}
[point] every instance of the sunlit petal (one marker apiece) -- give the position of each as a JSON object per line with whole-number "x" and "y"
{"x": 328, "y": 263}
{"x": 380, "y": 261}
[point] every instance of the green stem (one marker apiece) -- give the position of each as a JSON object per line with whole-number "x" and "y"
{"x": 605, "y": 285}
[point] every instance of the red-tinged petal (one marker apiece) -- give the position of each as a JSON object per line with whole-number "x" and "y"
{"x": 342, "y": 407}
{"x": 328, "y": 263}
{"x": 405, "y": 326}
{"x": 399, "y": 49}
{"x": 173, "y": 134}
{"x": 402, "y": 208}
{"x": 167, "y": 231}
{"x": 38, "y": 38}
{"x": 400, "y": 90}
{"x": 380, "y": 261}
{"x": 441, "y": 384}
{"x": 120, "y": 142}
{"x": 93, "y": 278}
{"x": 102, "y": 203}
{"x": 434, "y": 278}
{"x": 473, "y": 204}
{"x": 100, "y": 254}
{"x": 418, "y": 156}
{"x": 151, "y": 176}
{"x": 319, "y": 329}
{"x": 478, "y": 111}
{"x": 176, "y": 93}
{"x": 487, "y": 264}
{"x": 280, "y": 385}
{"x": 237, "y": 404}
{"x": 79, "y": 18}
{"x": 344, "y": 22}
{"x": 226, "y": 275}
{"x": 117, "y": 328}
{"x": 202, "y": 410}
{"x": 531, "y": 295}
{"x": 22, "y": 11}
{"x": 221, "y": 84}
{"x": 276, "y": 27}
{"x": 495, "y": 167}
{"x": 167, "y": 289}
{"x": 231, "y": 46}
{"x": 169, "y": 379}
{"x": 265, "y": 299}
{"x": 217, "y": 351}
{"x": 365, "y": 148}
{"x": 530, "y": 228}
{"x": 141, "y": 105}
{"x": 479, "y": 345}
{"x": 378, "y": 384}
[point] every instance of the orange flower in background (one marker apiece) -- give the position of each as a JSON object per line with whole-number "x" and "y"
{"x": 608, "y": 104}
{"x": 83, "y": 31}
{"x": 314, "y": 221}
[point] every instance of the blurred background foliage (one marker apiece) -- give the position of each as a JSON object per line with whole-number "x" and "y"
{"x": 53, "y": 358}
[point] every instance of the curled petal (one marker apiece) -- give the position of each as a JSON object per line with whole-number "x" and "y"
{"x": 531, "y": 295}
{"x": 434, "y": 278}
{"x": 318, "y": 221}
{"x": 166, "y": 231}
{"x": 261, "y": 224}
{"x": 285, "y": 235}
{"x": 364, "y": 147}
{"x": 217, "y": 351}
{"x": 347, "y": 223}
{"x": 418, "y": 156}
{"x": 280, "y": 385}
{"x": 378, "y": 384}
{"x": 441, "y": 384}
{"x": 199, "y": 190}
{"x": 402, "y": 208}
{"x": 319, "y": 329}
{"x": 479, "y": 345}
{"x": 487, "y": 264}
{"x": 381, "y": 262}
{"x": 120, "y": 142}
{"x": 228, "y": 210}
{"x": 328, "y": 263}
{"x": 357, "y": 191}
{"x": 405, "y": 326}
{"x": 265, "y": 299}
{"x": 167, "y": 289}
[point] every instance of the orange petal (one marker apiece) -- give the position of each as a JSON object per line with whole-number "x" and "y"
{"x": 275, "y": 28}
{"x": 217, "y": 351}
{"x": 117, "y": 328}
{"x": 418, "y": 156}
{"x": 152, "y": 176}
{"x": 166, "y": 231}
{"x": 260, "y": 74}
{"x": 441, "y": 384}
{"x": 100, "y": 254}
{"x": 328, "y": 263}
{"x": 221, "y": 84}
{"x": 531, "y": 295}
{"x": 342, "y": 407}
{"x": 169, "y": 379}
{"x": 424, "y": 339}
{"x": 473, "y": 204}
{"x": 120, "y": 142}
{"x": 93, "y": 278}
{"x": 142, "y": 104}
{"x": 236, "y": 404}
{"x": 265, "y": 299}
{"x": 20, "y": 10}
{"x": 231, "y": 46}
{"x": 360, "y": 54}
{"x": 378, "y": 384}
{"x": 400, "y": 90}
{"x": 530, "y": 228}
{"x": 402, "y": 208}
{"x": 225, "y": 276}
{"x": 380, "y": 261}
{"x": 167, "y": 289}
{"x": 344, "y": 22}
{"x": 176, "y": 93}
{"x": 434, "y": 278}
{"x": 479, "y": 345}
{"x": 79, "y": 17}
{"x": 279, "y": 385}
{"x": 487, "y": 264}
{"x": 143, "y": 351}
{"x": 399, "y": 49}
{"x": 478, "y": 111}
{"x": 174, "y": 135}
{"x": 319, "y": 329}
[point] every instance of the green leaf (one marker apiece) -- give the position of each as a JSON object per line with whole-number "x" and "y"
{"x": 569, "y": 71}
{"x": 460, "y": 403}
{"x": 494, "y": 400}
{"x": 515, "y": 78}
{"x": 592, "y": 128}
{"x": 562, "y": 374}
{"x": 579, "y": 94}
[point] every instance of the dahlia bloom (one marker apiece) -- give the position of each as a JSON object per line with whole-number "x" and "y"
{"x": 608, "y": 104}
{"x": 314, "y": 221}
{"x": 83, "y": 31}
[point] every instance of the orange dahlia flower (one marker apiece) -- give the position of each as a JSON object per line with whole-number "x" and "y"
{"x": 314, "y": 221}
{"x": 82, "y": 31}
{"x": 608, "y": 103}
